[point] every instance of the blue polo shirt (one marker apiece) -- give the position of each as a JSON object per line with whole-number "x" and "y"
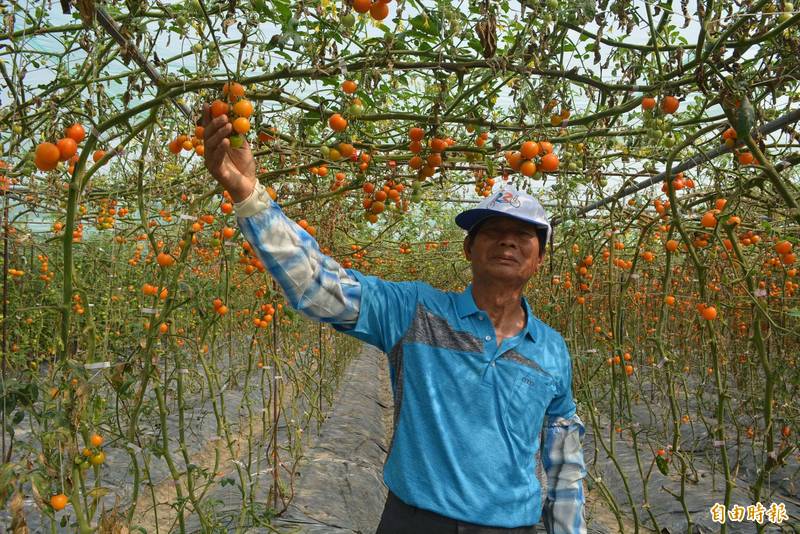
{"x": 468, "y": 414}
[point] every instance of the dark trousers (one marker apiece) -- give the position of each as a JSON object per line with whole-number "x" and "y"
{"x": 401, "y": 518}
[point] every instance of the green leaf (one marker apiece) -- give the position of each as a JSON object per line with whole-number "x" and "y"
{"x": 475, "y": 44}
{"x": 427, "y": 25}
{"x": 284, "y": 10}
{"x": 260, "y": 7}
{"x": 662, "y": 465}
{"x": 794, "y": 312}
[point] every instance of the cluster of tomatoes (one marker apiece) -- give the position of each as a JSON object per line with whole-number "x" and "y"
{"x": 744, "y": 157}
{"x": 378, "y": 10}
{"x": 45, "y": 274}
{"x": 679, "y": 182}
{"x": 107, "y": 212}
{"x": 557, "y": 119}
{"x": 481, "y": 139}
{"x": 338, "y": 181}
{"x": 339, "y": 152}
{"x": 219, "y": 307}
{"x": 668, "y": 105}
{"x": 375, "y": 199}
{"x": 524, "y": 160}
{"x": 483, "y": 183}
{"x": 358, "y": 255}
{"x": 77, "y": 233}
{"x": 77, "y": 304}
{"x": 268, "y": 311}
{"x": 184, "y": 142}
{"x": 92, "y": 455}
{"x": 236, "y": 106}
{"x": 249, "y": 259}
{"x": 616, "y": 360}
{"x": 426, "y": 167}
{"x": 48, "y": 155}
{"x": 583, "y": 268}
{"x": 784, "y": 250}
{"x": 153, "y": 291}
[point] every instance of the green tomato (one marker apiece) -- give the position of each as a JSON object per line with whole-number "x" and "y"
{"x": 325, "y": 151}
{"x": 260, "y": 62}
{"x": 349, "y": 20}
{"x": 356, "y": 109}
{"x": 197, "y": 48}
{"x": 215, "y": 243}
{"x": 237, "y": 141}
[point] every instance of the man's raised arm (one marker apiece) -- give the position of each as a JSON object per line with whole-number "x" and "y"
{"x": 312, "y": 282}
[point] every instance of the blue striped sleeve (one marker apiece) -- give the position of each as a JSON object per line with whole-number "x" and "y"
{"x": 562, "y": 455}
{"x": 312, "y": 282}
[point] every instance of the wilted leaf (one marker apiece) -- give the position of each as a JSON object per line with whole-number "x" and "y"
{"x": 98, "y": 492}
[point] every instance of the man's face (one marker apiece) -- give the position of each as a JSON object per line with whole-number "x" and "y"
{"x": 504, "y": 249}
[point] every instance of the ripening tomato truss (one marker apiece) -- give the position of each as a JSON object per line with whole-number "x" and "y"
{"x": 663, "y": 142}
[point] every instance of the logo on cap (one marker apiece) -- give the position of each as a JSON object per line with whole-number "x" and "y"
{"x": 505, "y": 197}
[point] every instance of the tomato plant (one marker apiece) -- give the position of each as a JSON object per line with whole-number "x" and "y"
{"x": 663, "y": 143}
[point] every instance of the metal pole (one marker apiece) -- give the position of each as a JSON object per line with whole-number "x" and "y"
{"x": 110, "y": 25}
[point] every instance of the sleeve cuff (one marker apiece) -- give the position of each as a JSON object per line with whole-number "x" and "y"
{"x": 258, "y": 201}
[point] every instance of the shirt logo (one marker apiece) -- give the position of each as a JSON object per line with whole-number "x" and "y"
{"x": 505, "y": 197}
{"x": 528, "y": 380}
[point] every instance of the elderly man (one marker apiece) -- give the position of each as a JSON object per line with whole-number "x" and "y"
{"x": 475, "y": 375}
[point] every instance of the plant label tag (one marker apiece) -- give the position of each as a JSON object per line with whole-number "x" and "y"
{"x": 97, "y": 365}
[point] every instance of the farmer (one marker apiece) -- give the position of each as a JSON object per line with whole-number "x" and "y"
{"x": 475, "y": 375}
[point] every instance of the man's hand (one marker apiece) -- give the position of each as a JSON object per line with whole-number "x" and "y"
{"x": 234, "y": 169}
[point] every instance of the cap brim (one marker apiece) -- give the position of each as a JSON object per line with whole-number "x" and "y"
{"x": 468, "y": 219}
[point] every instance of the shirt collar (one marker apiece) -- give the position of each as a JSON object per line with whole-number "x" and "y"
{"x": 465, "y": 304}
{"x": 531, "y": 326}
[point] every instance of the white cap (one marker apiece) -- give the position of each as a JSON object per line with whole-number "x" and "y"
{"x": 507, "y": 202}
